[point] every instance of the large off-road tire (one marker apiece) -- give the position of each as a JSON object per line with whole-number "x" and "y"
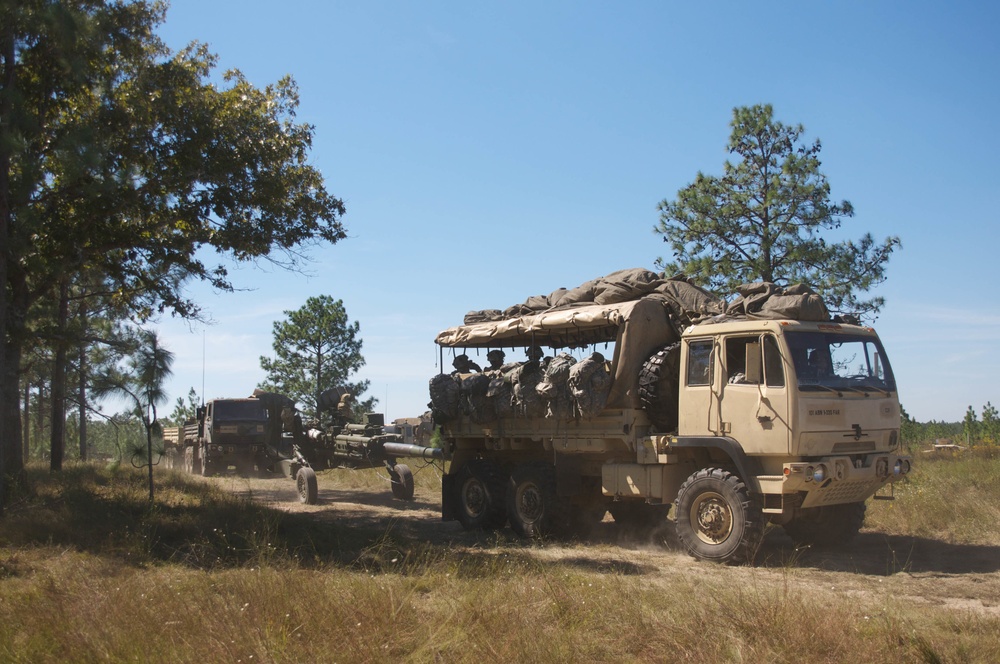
{"x": 637, "y": 515}
{"x": 658, "y": 386}
{"x": 533, "y": 508}
{"x": 207, "y": 467}
{"x": 402, "y": 481}
{"x": 307, "y": 486}
{"x": 717, "y": 518}
{"x": 830, "y": 525}
{"x": 480, "y": 488}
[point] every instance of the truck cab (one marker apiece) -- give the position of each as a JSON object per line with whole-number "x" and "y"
{"x": 232, "y": 432}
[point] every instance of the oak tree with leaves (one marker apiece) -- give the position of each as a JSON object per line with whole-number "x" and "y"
{"x": 763, "y": 219}
{"x": 121, "y": 157}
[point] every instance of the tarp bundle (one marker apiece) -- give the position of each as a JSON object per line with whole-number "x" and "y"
{"x": 766, "y": 300}
{"x": 687, "y": 301}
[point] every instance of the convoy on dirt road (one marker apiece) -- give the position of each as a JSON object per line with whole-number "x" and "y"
{"x": 723, "y": 416}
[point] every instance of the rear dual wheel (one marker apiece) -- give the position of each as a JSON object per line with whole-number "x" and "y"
{"x": 481, "y": 489}
{"x": 533, "y": 507}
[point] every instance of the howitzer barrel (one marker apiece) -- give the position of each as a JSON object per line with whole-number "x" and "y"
{"x": 404, "y": 450}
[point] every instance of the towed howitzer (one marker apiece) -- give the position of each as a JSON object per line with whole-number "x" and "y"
{"x": 340, "y": 444}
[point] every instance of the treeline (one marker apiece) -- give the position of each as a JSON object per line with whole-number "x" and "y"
{"x": 975, "y": 430}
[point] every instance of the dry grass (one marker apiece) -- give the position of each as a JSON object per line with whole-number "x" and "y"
{"x": 90, "y": 572}
{"x": 954, "y": 499}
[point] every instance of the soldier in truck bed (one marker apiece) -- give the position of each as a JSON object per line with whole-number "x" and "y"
{"x": 464, "y": 365}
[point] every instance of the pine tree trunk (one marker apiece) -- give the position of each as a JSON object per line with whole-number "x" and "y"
{"x": 82, "y": 386}
{"x": 57, "y": 440}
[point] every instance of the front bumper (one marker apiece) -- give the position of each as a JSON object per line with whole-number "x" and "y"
{"x": 834, "y": 480}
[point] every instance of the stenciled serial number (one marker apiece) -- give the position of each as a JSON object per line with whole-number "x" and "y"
{"x": 828, "y": 411}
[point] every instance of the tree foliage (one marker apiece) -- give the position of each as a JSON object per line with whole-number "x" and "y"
{"x": 122, "y": 158}
{"x": 184, "y": 410}
{"x": 140, "y": 383}
{"x": 315, "y": 349}
{"x": 763, "y": 220}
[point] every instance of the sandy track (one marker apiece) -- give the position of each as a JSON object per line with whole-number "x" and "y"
{"x": 908, "y": 569}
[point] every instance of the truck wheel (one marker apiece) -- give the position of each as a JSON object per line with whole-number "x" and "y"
{"x": 307, "y": 486}
{"x": 207, "y": 468}
{"x": 533, "y": 508}
{"x": 658, "y": 386}
{"x": 829, "y": 525}
{"x": 402, "y": 481}
{"x": 189, "y": 460}
{"x": 480, "y": 487}
{"x": 717, "y": 519}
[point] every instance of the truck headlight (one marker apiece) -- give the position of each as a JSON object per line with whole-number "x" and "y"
{"x": 819, "y": 473}
{"x": 897, "y": 468}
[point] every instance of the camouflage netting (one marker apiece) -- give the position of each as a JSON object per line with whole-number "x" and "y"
{"x": 638, "y": 310}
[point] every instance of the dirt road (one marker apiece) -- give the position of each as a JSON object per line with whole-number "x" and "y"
{"x": 918, "y": 570}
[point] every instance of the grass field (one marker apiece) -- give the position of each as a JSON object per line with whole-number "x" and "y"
{"x": 89, "y": 571}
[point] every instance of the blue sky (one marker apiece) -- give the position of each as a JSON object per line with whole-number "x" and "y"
{"x": 487, "y": 152}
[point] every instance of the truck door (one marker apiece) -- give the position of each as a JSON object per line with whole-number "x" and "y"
{"x": 698, "y": 413}
{"x": 754, "y": 396}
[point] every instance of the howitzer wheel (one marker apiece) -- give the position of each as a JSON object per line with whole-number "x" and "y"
{"x": 402, "y": 481}
{"x": 307, "y": 486}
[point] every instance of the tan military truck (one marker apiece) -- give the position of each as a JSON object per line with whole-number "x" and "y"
{"x": 734, "y": 414}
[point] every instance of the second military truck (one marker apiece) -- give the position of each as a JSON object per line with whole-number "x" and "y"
{"x": 734, "y": 414}
{"x": 225, "y": 433}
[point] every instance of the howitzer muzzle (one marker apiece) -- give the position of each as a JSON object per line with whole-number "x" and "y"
{"x": 404, "y": 450}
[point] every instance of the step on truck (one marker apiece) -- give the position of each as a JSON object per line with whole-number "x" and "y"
{"x": 734, "y": 414}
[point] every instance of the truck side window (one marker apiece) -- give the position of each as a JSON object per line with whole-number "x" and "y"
{"x": 738, "y": 351}
{"x": 774, "y": 372}
{"x": 699, "y": 366}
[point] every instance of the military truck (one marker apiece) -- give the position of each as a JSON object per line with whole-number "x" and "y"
{"x": 226, "y": 433}
{"x": 733, "y": 414}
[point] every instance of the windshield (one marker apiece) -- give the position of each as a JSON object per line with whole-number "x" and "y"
{"x": 826, "y": 360}
{"x": 244, "y": 411}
